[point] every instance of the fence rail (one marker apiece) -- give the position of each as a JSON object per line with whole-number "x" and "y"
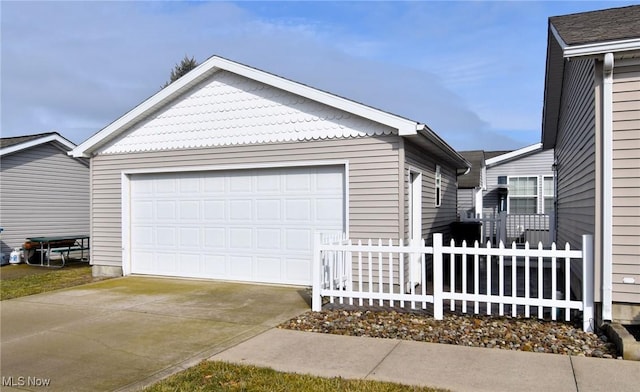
{"x": 516, "y": 280}
{"x": 519, "y": 228}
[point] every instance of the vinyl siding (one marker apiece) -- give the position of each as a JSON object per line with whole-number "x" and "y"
{"x": 626, "y": 183}
{"x": 576, "y": 154}
{"x": 534, "y": 165}
{"x": 44, "y": 192}
{"x": 465, "y": 201}
{"x": 434, "y": 219}
{"x": 372, "y": 182}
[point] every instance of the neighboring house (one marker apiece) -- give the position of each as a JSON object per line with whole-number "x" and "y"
{"x": 471, "y": 185}
{"x": 520, "y": 181}
{"x": 229, "y": 172}
{"x": 591, "y": 118}
{"x": 43, "y": 191}
{"x": 519, "y": 184}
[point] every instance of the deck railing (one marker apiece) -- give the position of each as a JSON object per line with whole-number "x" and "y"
{"x": 517, "y": 280}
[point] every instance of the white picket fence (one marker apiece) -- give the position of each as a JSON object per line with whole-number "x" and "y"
{"x": 516, "y": 280}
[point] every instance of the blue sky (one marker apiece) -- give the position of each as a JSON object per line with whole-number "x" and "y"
{"x": 472, "y": 71}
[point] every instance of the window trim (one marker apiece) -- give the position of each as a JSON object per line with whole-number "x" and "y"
{"x": 536, "y": 195}
{"x": 552, "y": 196}
{"x": 438, "y": 186}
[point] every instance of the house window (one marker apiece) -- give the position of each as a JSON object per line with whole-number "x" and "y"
{"x": 548, "y": 192}
{"x": 523, "y": 195}
{"x": 438, "y": 186}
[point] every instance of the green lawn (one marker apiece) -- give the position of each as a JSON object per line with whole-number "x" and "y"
{"x": 222, "y": 376}
{"x": 21, "y": 280}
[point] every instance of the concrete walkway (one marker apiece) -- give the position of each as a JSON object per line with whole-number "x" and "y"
{"x": 126, "y": 333}
{"x": 437, "y": 365}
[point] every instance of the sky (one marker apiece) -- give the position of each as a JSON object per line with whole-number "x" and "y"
{"x": 472, "y": 71}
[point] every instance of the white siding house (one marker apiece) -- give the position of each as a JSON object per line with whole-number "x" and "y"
{"x": 43, "y": 191}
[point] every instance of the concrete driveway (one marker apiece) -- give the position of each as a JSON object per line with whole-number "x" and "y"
{"x": 126, "y": 333}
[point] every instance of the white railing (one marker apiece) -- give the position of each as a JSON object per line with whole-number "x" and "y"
{"x": 519, "y": 228}
{"x": 493, "y": 280}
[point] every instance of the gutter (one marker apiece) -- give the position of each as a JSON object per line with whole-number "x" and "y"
{"x": 607, "y": 186}
{"x": 463, "y": 165}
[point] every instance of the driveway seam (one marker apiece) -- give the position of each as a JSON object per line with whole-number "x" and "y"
{"x": 382, "y": 360}
{"x": 573, "y": 373}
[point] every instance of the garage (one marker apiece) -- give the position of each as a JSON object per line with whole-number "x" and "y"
{"x": 252, "y": 225}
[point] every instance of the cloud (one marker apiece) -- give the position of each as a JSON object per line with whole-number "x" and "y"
{"x": 76, "y": 67}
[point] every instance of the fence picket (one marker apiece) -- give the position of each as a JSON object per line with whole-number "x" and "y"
{"x": 489, "y": 280}
{"x": 527, "y": 280}
{"x": 514, "y": 280}
{"x": 501, "y": 287}
{"x": 335, "y": 269}
{"x": 567, "y": 284}
{"x": 554, "y": 285}
{"x": 463, "y": 261}
{"x": 390, "y": 272}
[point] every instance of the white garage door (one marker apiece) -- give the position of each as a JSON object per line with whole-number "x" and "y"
{"x": 249, "y": 225}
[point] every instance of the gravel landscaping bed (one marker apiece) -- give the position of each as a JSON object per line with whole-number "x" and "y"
{"x": 467, "y": 330}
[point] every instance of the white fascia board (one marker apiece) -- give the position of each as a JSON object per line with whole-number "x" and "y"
{"x": 215, "y": 63}
{"x": 85, "y": 148}
{"x": 32, "y": 143}
{"x": 513, "y": 154}
{"x": 600, "y": 48}
{"x": 595, "y": 48}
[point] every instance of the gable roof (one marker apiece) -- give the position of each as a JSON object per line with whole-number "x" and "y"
{"x": 472, "y": 178}
{"x": 215, "y": 64}
{"x": 587, "y": 34}
{"x": 614, "y": 24}
{"x": 9, "y": 145}
{"x": 512, "y": 155}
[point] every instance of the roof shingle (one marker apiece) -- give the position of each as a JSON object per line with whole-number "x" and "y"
{"x": 613, "y": 24}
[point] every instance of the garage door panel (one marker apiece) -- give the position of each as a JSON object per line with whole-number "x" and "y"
{"x": 250, "y": 225}
{"x": 270, "y": 268}
{"x": 268, "y": 239}
{"x": 214, "y": 238}
{"x": 329, "y": 210}
{"x": 215, "y": 265}
{"x": 298, "y": 210}
{"x": 240, "y": 210}
{"x": 298, "y": 240}
{"x": 268, "y": 210}
{"x": 189, "y": 237}
{"x": 297, "y": 270}
{"x": 214, "y": 210}
{"x": 189, "y": 210}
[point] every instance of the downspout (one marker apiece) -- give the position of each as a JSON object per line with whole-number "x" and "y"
{"x": 607, "y": 186}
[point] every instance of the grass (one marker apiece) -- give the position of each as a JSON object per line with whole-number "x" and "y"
{"x": 22, "y": 280}
{"x": 222, "y": 376}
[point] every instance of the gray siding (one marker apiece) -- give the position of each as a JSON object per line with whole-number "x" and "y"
{"x": 434, "y": 219}
{"x": 372, "y": 181}
{"x": 465, "y": 201}
{"x": 576, "y": 154}
{"x": 537, "y": 164}
{"x": 626, "y": 183}
{"x": 44, "y": 192}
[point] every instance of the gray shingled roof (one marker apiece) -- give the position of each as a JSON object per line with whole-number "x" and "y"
{"x": 613, "y": 24}
{"x": 472, "y": 179}
{"x": 11, "y": 141}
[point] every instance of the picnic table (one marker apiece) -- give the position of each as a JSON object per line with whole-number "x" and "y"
{"x": 56, "y": 244}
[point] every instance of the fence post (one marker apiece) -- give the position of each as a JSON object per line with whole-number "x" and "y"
{"x": 437, "y": 277}
{"x": 316, "y": 274}
{"x": 587, "y": 283}
{"x": 503, "y": 228}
